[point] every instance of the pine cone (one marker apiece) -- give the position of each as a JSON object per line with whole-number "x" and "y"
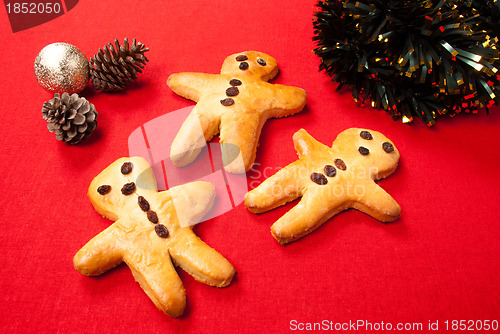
{"x": 113, "y": 68}
{"x": 72, "y": 118}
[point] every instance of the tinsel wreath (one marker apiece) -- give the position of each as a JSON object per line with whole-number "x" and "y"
{"x": 414, "y": 58}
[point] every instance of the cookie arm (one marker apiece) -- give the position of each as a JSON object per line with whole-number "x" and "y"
{"x": 191, "y": 201}
{"x": 191, "y": 85}
{"x": 287, "y": 100}
{"x": 101, "y": 253}
{"x": 315, "y": 208}
{"x": 156, "y": 275}
{"x": 377, "y": 203}
{"x": 205, "y": 264}
{"x": 305, "y": 143}
{"x": 284, "y": 186}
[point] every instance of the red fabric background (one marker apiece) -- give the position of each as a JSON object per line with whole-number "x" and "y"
{"x": 439, "y": 261}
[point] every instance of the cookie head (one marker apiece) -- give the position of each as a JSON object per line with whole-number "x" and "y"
{"x": 250, "y": 63}
{"x": 370, "y": 149}
{"x": 117, "y": 186}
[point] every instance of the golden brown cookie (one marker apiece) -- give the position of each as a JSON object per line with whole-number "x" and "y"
{"x": 235, "y": 103}
{"x": 152, "y": 233}
{"x": 329, "y": 180}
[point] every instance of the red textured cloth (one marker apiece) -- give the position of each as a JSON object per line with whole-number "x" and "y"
{"x": 439, "y": 261}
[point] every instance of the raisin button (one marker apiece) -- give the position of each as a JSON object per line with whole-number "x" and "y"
{"x": 330, "y": 171}
{"x": 143, "y": 203}
{"x": 232, "y": 91}
{"x": 340, "y": 164}
{"x": 363, "y": 150}
{"x": 152, "y": 216}
{"x": 161, "y": 231}
{"x": 319, "y": 178}
{"x": 227, "y": 102}
{"x": 235, "y": 82}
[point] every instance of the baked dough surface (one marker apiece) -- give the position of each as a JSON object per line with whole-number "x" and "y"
{"x": 235, "y": 103}
{"x": 329, "y": 180}
{"x": 152, "y": 233}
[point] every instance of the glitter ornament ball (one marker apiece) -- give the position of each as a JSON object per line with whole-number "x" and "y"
{"x": 62, "y": 67}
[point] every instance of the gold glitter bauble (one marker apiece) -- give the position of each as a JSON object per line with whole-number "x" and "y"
{"x": 62, "y": 67}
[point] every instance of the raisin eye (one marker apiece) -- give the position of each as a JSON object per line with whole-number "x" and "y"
{"x": 104, "y": 189}
{"x": 127, "y": 168}
{"x": 366, "y": 135}
{"x": 261, "y": 62}
{"x": 387, "y": 147}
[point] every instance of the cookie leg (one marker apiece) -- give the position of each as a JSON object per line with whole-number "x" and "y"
{"x": 156, "y": 275}
{"x": 199, "y": 260}
{"x": 284, "y": 186}
{"x": 198, "y": 128}
{"x": 311, "y": 212}
{"x": 239, "y": 136}
{"x": 377, "y": 203}
{"x": 101, "y": 253}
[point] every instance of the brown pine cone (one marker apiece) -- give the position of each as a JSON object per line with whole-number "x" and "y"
{"x": 113, "y": 68}
{"x": 72, "y": 118}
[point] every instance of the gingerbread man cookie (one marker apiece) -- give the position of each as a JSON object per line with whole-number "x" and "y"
{"x": 235, "y": 103}
{"x": 329, "y": 180}
{"x": 152, "y": 233}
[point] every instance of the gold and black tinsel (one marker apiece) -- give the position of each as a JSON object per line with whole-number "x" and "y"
{"x": 70, "y": 117}
{"x": 114, "y": 67}
{"x": 414, "y": 58}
